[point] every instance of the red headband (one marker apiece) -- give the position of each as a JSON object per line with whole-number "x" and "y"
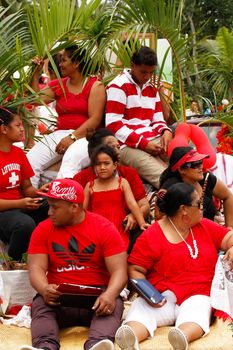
{"x": 6, "y": 110}
{"x": 191, "y": 156}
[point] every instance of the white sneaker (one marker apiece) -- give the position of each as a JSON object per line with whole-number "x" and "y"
{"x": 126, "y": 338}
{"x": 105, "y": 344}
{"x": 28, "y": 347}
{"x": 177, "y": 339}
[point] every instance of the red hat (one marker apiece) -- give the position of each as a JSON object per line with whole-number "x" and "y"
{"x": 66, "y": 190}
{"x": 191, "y": 156}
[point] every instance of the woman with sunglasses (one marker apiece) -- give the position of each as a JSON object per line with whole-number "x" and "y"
{"x": 177, "y": 255}
{"x": 186, "y": 165}
{"x": 20, "y": 207}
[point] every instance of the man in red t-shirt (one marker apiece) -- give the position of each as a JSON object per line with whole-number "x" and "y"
{"x": 78, "y": 247}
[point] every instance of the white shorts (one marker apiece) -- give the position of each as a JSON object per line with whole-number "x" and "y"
{"x": 195, "y": 309}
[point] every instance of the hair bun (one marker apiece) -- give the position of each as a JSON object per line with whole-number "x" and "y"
{"x": 161, "y": 199}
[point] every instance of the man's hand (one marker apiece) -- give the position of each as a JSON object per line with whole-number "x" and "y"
{"x": 50, "y": 294}
{"x": 165, "y": 139}
{"x": 104, "y": 304}
{"x": 153, "y": 148}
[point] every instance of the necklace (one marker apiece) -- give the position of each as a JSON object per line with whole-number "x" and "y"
{"x": 194, "y": 254}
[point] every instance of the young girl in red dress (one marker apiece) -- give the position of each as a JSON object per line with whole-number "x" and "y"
{"x": 111, "y": 196}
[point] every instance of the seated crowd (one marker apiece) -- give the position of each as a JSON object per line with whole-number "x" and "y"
{"x": 84, "y": 226}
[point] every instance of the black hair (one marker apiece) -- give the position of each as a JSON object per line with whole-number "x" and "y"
{"x": 7, "y": 115}
{"x": 97, "y": 138}
{"x": 144, "y": 55}
{"x": 103, "y": 149}
{"x": 57, "y": 61}
{"x": 77, "y": 54}
{"x": 175, "y": 196}
{"x": 176, "y": 155}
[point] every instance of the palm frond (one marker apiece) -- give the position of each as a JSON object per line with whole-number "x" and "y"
{"x": 13, "y": 32}
{"x": 163, "y": 19}
{"x": 216, "y": 61}
{"x": 100, "y": 28}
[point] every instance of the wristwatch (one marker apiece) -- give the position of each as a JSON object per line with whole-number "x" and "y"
{"x": 73, "y": 137}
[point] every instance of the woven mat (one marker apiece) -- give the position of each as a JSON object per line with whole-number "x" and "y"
{"x": 220, "y": 338}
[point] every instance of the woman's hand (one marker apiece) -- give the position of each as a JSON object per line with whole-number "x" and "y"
{"x": 163, "y": 302}
{"x": 129, "y": 222}
{"x": 144, "y": 226}
{"x": 38, "y": 62}
{"x": 44, "y": 188}
{"x": 229, "y": 257}
{"x": 30, "y": 203}
{"x": 63, "y": 145}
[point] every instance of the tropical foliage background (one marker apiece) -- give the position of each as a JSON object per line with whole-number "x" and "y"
{"x": 202, "y": 49}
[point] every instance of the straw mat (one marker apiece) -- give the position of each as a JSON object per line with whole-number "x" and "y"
{"x": 220, "y": 338}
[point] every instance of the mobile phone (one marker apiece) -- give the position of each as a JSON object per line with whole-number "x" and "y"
{"x": 147, "y": 291}
{"x": 124, "y": 223}
{"x": 40, "y": 200}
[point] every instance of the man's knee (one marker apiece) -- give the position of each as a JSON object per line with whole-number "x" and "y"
{"x": 148, "y": 167}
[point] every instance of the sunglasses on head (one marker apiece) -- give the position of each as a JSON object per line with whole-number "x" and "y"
{"x": 193, "y": 165}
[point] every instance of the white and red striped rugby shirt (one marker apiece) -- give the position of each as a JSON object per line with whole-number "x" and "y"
{"x": 133, "y": 114}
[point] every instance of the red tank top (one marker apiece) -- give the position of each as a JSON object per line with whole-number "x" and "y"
{"x": 111, "y": 205}
{"x": 72, "y": 109}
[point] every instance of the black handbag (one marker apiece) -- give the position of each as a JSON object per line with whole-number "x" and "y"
{"x": 148, "y": 292}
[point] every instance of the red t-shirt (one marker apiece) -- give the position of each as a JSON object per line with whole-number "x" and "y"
{"x": 170, "y": 267}
{"x": 76, "y": 253}
{"x": 72, "y": 109}
{"x": 130, "y": 174}
{"x": 14, "y": 168}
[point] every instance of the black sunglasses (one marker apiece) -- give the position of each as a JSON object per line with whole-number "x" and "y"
{"x": 193, "y": 165}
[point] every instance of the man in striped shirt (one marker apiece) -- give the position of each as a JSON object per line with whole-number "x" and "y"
{"x": 134, "y": 115}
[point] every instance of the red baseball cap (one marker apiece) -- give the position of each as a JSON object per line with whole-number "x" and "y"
{"x": 191, "y": 156}
{"x": 66, "y": 190}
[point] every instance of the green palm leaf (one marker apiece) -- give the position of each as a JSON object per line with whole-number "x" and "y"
{"x": 13, "y": 32}
{"x": 161, "y": 18}
{"x": 95, "y": 26}
{"x": 217, "y": 64}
